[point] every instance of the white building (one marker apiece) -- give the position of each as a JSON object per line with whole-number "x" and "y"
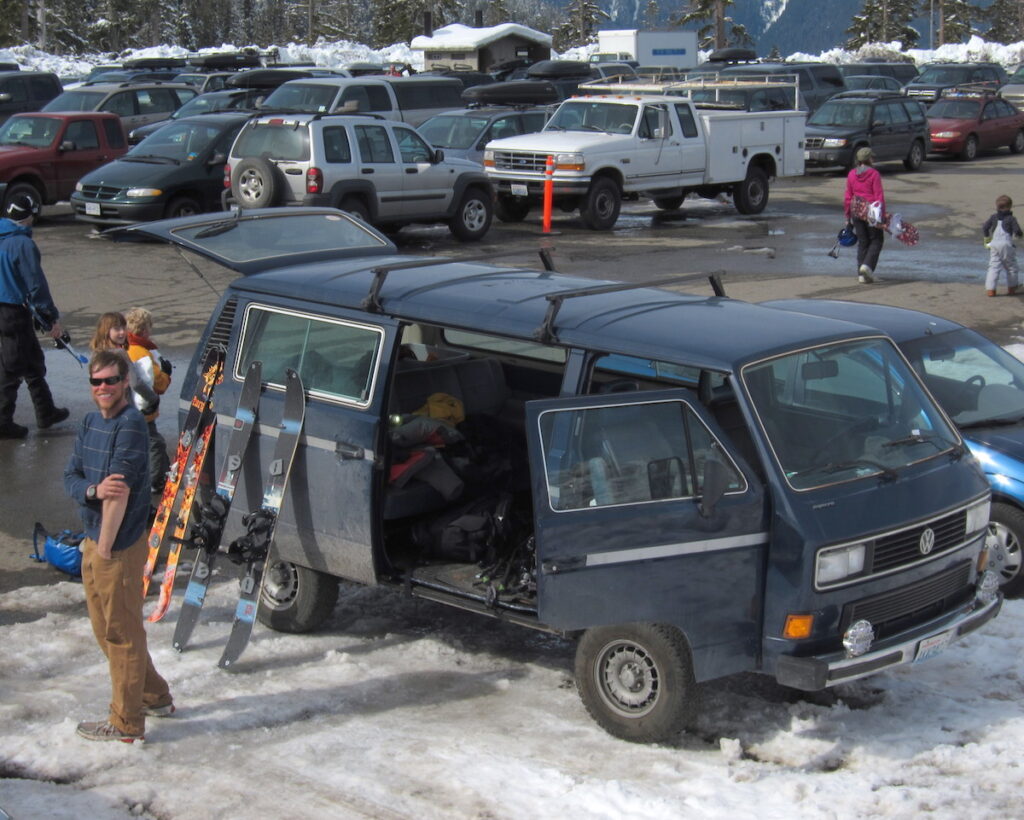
{"x": 479, "y": 49}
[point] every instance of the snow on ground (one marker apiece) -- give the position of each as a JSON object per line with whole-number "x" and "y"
{"x": 405, "y": 708}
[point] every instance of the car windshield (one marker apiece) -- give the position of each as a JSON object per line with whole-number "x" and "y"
{"x": 296, "y": 96}
{"x": 844, "y": 114}
{"x": 943, "y": 75}
{"x": 76, "y": 100}
{"x": 447, "y": 131}
{"x": 180, "y": 141}
{"x": 38, "y": 132}
{"x": 594, "y": 116}
{"x": 975, "y": 380}
{"x": 845, "y": 411}
{"x": 954, "y": 110}
{"x": 202, "y": 104}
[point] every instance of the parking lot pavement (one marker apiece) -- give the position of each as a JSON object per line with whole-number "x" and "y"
{"x": 781, "y": 253}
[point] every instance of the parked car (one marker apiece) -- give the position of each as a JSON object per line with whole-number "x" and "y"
{"x": 818, "y": 81}
{"x": 229, "y": 99}
{"x": 691, "y": 486}
{"x": 966, "y": 123}
{"x": 382, "y": 171}
{"x": 1013, "y": 90}
{"x": 937, "y": 77}
{"x": 205, "y": 81}
{"x": 901, "y": 72}
{"x": 135, "y": 103}
{"x": 872, "y": 82}
{"x": 981, "y": 388}
{"x": 177, "y": 171}
{"x": 893, "y": 126}
{"x": 44, "y": 154}
{"x": 26, "y": 91}
{"x": 465, "y": 131}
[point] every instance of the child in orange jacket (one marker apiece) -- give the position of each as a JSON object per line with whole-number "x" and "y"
{"x": 155, "y": 371}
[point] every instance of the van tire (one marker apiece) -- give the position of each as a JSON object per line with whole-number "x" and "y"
{"x": 1005, "y": 547}
{"x": 636, "y": 680}
{"x": 182, "y": 206}
{"x": 601, "y": 205}
{"x": 751, "y": 195}
{"x": 256, "y": 183}
{"x": 914, "y": 159}
{"x": 510, "y": 208}
{"x": 473, "y": 216}
{"x": 295, "y": 599}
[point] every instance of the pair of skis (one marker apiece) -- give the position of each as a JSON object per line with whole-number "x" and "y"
{"x": 252, "y": 548}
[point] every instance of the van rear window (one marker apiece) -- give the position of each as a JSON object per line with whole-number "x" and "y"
{"x": 279, "y": 141}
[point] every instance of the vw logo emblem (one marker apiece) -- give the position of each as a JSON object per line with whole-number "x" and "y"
{"x": 926, "y": 543}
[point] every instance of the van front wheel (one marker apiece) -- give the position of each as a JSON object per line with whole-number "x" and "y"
{"x": 636, "y": 680}
{"x": 295, "y": 599}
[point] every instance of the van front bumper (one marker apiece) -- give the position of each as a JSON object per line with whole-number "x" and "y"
{"x": 819, "y": 672}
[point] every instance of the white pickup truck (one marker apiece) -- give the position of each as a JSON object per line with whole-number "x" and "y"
{"x": 607, "y": 148}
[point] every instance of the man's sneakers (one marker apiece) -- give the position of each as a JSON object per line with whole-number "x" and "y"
{"x": 55, "y": 416}
{"x": 865, "y": 277}
{"x": 167, "y": 710}
{"x": 12, "y": 430}
{"x": 104, "y": 730}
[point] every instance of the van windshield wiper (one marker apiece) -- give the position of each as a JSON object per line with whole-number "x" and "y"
{"x": 156, "y": 158}
{"x": 217, "y": 228}
{"x": 914, "y": 438}
{"x": 887, "y": 473}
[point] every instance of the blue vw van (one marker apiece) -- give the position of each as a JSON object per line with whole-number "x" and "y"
{"x": 689, "y": 485}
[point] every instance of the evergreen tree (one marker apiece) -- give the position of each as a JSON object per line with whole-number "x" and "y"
{"x": 720, "y": 30}
{"x": 952, "y": 19}
{"x": 882, "y": 21}
{"x": 580, "y": 27}
{"x": 496, "y": 13}
{"x": 1005, "y": 20}
{"x": 652, "y": 14}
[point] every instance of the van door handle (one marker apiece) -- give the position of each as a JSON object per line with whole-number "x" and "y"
{"x": 346, "y": 451}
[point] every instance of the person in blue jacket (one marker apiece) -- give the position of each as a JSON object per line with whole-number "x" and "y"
{"x": 24, "y": 300}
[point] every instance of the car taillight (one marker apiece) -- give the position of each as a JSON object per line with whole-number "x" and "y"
{"x": 227, "y": 176}
{"x": 314, "y": 181}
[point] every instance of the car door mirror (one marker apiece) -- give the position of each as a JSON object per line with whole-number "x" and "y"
{"x": 66, "y": 145}
{"x": 877, "y": 124}
{"x": 437, "y": 157}
{"x": 218, "y": 159}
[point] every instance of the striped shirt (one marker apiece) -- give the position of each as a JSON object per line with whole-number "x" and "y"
{"x": 107, "y": 446}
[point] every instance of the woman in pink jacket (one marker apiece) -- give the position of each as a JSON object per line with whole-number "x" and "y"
{"x": 864, "y": 187}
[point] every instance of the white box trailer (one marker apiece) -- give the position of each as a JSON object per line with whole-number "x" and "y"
{"x": 671, "y": 47}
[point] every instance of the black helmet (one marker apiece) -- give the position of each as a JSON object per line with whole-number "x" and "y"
{"x": 22, "y": 206}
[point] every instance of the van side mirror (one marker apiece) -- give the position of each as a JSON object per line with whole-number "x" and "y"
{"x": 437, "y": 157}
{"x": 716, "y": 480}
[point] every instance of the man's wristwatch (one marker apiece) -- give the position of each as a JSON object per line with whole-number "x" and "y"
{"x": 90, "y": 493}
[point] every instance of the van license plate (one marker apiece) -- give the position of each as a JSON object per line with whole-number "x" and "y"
{"x": 930, "y": 647}
{"x": 807, "y": 155}
{"x": 92, "y": 208}
{"x": 518, "y": 189}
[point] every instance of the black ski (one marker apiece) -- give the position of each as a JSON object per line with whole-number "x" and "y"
{"x": 207, "y": 531}
{"x": 253, "y": 547}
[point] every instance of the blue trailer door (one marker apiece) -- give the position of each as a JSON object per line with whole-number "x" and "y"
{"x": 622, "y": 532}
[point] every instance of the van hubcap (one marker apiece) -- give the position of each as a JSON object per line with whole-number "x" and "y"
{"x": 627, "y": 678}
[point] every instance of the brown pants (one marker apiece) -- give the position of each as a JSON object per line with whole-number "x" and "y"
{"x": 113, "y": 594}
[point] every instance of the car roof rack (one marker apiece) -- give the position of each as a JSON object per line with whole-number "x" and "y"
{"x": 969, "y": 90}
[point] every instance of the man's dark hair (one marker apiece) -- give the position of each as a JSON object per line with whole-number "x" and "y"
{"x": 109, "y": 358}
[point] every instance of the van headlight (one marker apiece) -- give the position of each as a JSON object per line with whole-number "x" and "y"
{"x": 977, "y": 516}
{"x": 836, "y": 563}
{"x": 833, "y": 142}
{"x": 137, "y": 193}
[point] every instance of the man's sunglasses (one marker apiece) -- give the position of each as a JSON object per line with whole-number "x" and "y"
{"x": 105, "y": 380}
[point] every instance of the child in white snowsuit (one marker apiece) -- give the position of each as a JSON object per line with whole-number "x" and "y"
{"x": 1000, "y": 230}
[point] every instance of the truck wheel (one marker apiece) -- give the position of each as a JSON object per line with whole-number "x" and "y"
{"x": 751, "y": 195}
{"x": 1005, "y": 544}
{"x": 636, "y": 680}
{"x": 914, "y": 160}
{"x": 295, "y": 599}
{"x": 600, "y": 209}
{"x": 473, "y": 216}
{"x": 510, "y": 208}
{"x": 17, "y": 188}
{"x": 668, "y": 203}
{"x": 182, "y": 206}
{"x": 970, "y": 149}
{"x": 255, "y": 183}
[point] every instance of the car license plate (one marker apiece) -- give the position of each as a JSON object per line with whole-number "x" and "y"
{"x": 519, "y": 189}
{"x": 92, "y": 208}
{"x": 930, "y": 647}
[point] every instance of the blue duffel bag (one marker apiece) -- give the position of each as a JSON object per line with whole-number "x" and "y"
{"x": 59, "y": 549}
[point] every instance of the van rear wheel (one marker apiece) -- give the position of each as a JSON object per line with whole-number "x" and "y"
{"x": 636, "y": 680}
{"x": 295, "y": 599}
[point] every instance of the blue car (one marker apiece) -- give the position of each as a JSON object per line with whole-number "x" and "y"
{"x": 981, "y": 387}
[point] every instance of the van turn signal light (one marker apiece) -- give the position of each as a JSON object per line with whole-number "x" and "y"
{"x": 798, "y": 626}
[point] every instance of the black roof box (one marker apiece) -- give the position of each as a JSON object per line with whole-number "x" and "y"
{"x": 10, "y": 67}
{"x": 560, "y": 68}
{"x": 732, "y": 55}
{"x": 228, "y": 59}
{"x": 155, "y": 62}
{"x": 513, "y": 92}
{"x": 266, "y": 77}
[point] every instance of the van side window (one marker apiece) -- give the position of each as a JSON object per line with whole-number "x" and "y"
{"x": 374, "y": 145}
{"x": 336, "y": 147}
{"x": 627, "y": 454}
{"x": 379, "y": 98}
{"x": 335, "y": 359}
{"x": 686, "y": 121}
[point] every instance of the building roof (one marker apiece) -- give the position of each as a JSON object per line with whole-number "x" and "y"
{"x": 457, "y": 37}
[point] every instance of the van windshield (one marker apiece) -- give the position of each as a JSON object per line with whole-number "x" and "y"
{"x": 298, "y": 96}
{"x": 845, "y": 411}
